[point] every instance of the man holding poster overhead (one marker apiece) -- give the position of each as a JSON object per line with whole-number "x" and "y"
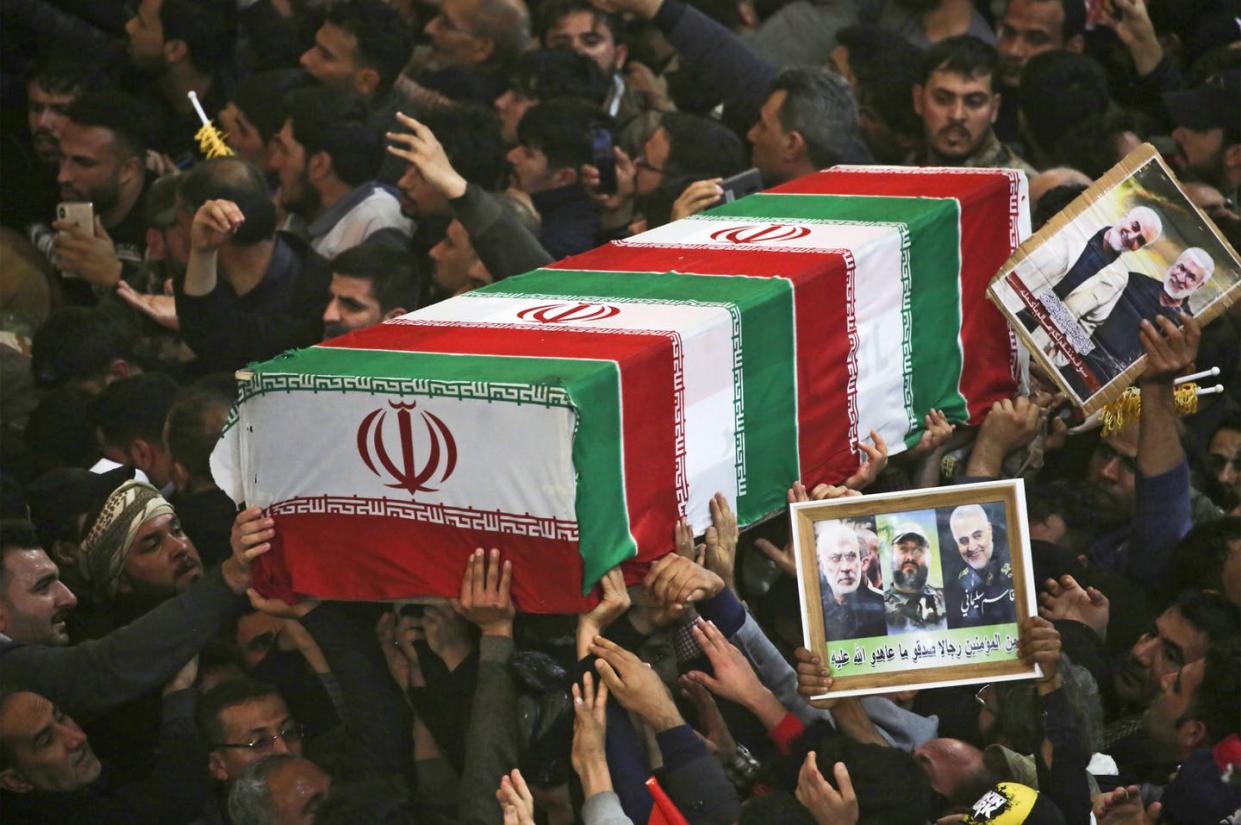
{"x": 851, "y": 610}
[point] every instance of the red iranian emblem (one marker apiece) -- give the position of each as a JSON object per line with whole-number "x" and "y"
{"x": 407, "y": 473}
{"x": 759, "y": 233}
{"x": 565, "y": 313}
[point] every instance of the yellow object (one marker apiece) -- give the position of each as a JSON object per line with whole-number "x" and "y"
{"x": 1125, "y": 410}
{"x": 211, "y": 142}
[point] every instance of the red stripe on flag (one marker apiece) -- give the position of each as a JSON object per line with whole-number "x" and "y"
{"x": 989, "y": 213}
{"x": 648, "y": 398}
{"x": 381, "y": 558}
{"x": 827, "y": 412}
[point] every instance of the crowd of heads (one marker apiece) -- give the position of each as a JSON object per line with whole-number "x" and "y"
{"x": 388, "y": 154}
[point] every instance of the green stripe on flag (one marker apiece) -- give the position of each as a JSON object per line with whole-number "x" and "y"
{"x": 592, "y": 388}
{"x": 931, "y": 230}
{"x": 763, "y": 313}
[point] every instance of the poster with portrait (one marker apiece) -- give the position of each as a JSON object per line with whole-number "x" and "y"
{"x": 916, "y": 589}
{"x": 1131, "y": 247}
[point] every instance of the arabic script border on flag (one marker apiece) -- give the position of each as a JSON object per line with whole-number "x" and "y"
{"x": 955, "y": 583}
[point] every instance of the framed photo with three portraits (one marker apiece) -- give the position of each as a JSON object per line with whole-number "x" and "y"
{"x": 916, "y": 589}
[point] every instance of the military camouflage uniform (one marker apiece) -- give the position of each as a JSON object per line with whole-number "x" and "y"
{"x": 987, "y": 597}
{"x": 924, "y": 610}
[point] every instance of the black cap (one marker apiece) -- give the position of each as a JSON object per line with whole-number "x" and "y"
{"x": 1215, "y": 104}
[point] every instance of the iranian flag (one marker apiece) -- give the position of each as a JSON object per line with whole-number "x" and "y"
{"x": 573, "y": 414}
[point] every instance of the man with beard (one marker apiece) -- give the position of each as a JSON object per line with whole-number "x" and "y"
{"x": 851, "y": 610}
{"x": 182, "y": 46}
{"x": 31, "y": 152}
{"x": 911, "y": 604}
{"x": 103, "y": 151}
{"x": 1110, "y": 306}
{"x": 1029, "y": 28}
{"x": 327, "y": 156}
{"x": 958, "y": 104}
{"x": 1208, "y": 130}
{"x": 984, "y": 593}
{"x": 370, "y": 284}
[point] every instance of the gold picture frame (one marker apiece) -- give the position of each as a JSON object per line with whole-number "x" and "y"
{"x": 923, "y": 643}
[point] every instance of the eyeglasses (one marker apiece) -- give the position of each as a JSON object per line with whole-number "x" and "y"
{"x": 982, "y": 700}
{"x": 1105, "y": 453}
{"x": 290, "y": 734}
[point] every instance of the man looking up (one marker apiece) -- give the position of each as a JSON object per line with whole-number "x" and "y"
{"x": 362, "y": 47}
{"x": 370, "y": 284}
{"x": 1031, "y": 27}
{"x": 958, "y": 104}
{"x": 327, "y": 156}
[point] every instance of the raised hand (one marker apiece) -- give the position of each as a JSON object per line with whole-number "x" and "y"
{"x": 938, "y": 430}
{"x": 814, "y": 678}
{"x": 1009, "y": 425}
{"x": 611, "y": 607}
{"x": 1170, "y": 350}
{"x": 162, "y": 309}
{"x": 422, "y": 149}
{"x": 1066, "y": 600}
{"x": 214, "y": 225}
{"x": 635, "y": 685}
{"x": 826, "y": 804}
{"x": 698, "y": 196}
{"x": 1123, "y": 806}
{"x": 677, "y": 580}
{"x": 91, "y": 255}
{"x": 712, "y": 727}
{"x": 516, "y": 801}
{"x": 249, "y": 538}
{"x": 1040, "y": 644}
{"x": 590, "y": 722}
{"x": 720, "y": 556}
{"x": 485, "y": 598}
{"x": 626, "y": 181}
{"x": 876, "y": 460}
{"x": 734, "y": 677}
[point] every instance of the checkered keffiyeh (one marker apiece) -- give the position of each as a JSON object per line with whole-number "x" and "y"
{"x": 101, "y": 558}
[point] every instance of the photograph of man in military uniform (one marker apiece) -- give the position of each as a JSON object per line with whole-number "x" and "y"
{"x": 912, "y": 602}
{"x": 851, "y": 609}
{"x": 977, "y": 566}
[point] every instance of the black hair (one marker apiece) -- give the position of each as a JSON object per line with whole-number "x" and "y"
{"x": 1218, "y": 695}
{"x": 551, "y": 12}
{"x": 222, "y": 697}
{"x": 1198, "y": 560}
{"x": 125, "y": 117}
{"x": 964, "y": 55}
{"x": 874, "y": 771}
{"x": 1210, "y": 613}
{"x": 1091, "y": 144}
{"x": 195, "y": 421}
{"x": 560, "y": 129}
{"x": 1054, "y": 201}
{"x": 820, "y": 107}
{"x": 472, "y": 141}
{"x": 261, "y": 96}
{"x": 1058, "y": 90}
{"x": 702, "y": 147}
{"x": 392, "y": 273}
{"x": 544, "y": 74}
{"x": 15, "y": 534}
{"x": 59, "y": 431}
{"x": 335, "y": 121}
{"x": 58, "y": 75}
{"x": 384, "y": 41}
{"x": 236, "y": 180}
{"x": 77, "y": 344}
{"x": 134, "y": 407}
{"x": 207, "y": 27}
{"x": 886, "y": 67}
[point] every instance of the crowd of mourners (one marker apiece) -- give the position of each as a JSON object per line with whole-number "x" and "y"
{"x": 387, "y": 155}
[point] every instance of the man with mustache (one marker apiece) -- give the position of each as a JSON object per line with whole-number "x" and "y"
{"x": 985, "y": 594}
{"x": 958, "y": 104}
{"x": 1110, "y": 306}
{"x": 851, "y": 610}
{"x": 911, "y": 604}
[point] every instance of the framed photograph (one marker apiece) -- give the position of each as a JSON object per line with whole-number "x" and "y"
{"x": 917, "y": 589}
{"x": 1131, "y": 247}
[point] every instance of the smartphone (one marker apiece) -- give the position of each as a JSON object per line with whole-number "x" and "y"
{"x": 79, "y": 213}
{"x": 740, "y": 185}
{"x": 603, "y": 159}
